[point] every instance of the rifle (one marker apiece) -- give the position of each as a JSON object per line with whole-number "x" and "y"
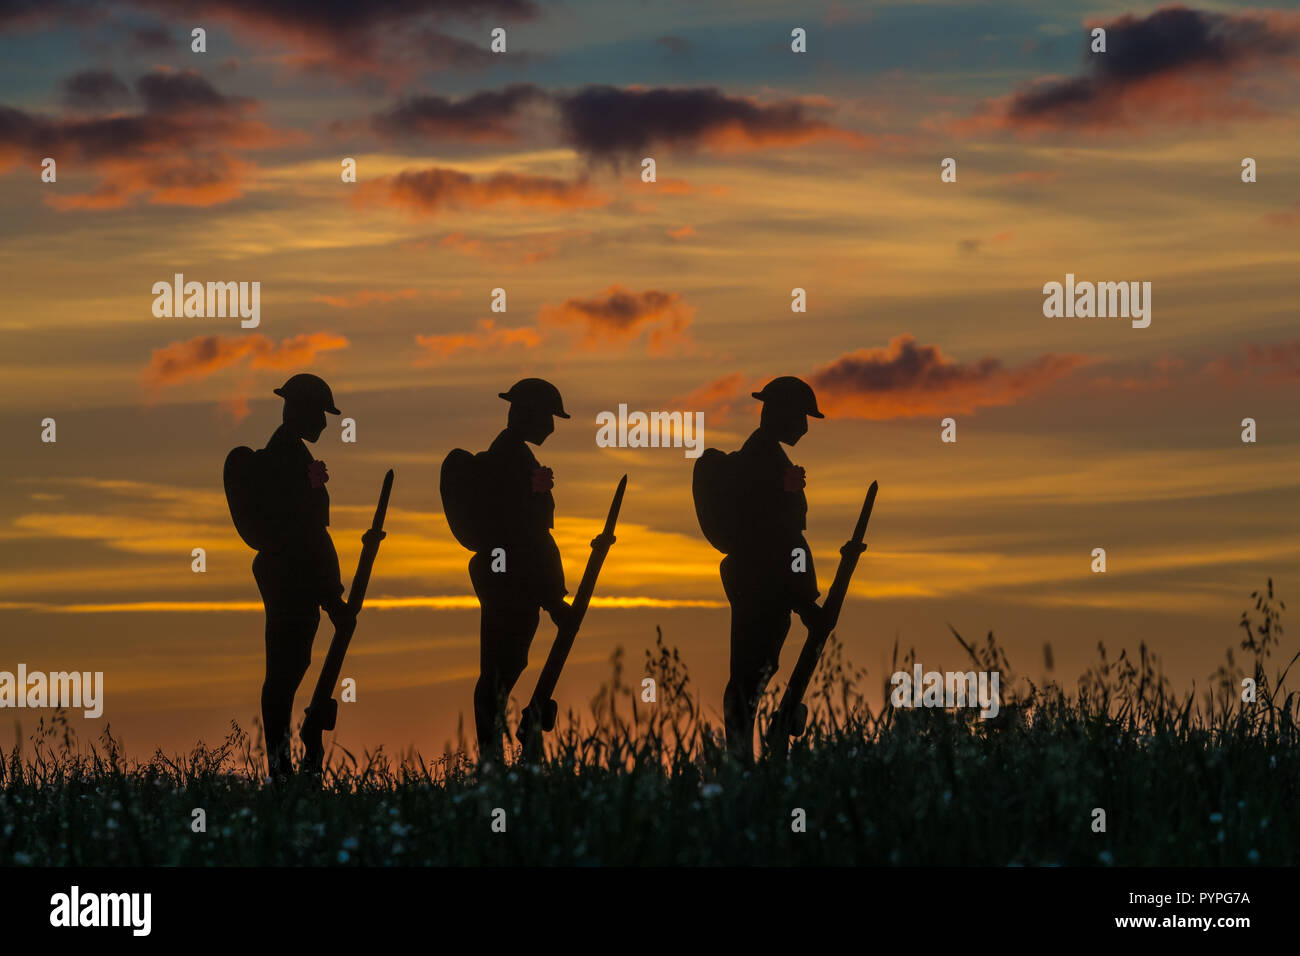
{"x": 542, "y": 709}
{"x": 323, "y": 711}
{"x": 791, "y": 716}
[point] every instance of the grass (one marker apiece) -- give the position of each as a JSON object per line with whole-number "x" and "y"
{"x": 1182, "y": 781}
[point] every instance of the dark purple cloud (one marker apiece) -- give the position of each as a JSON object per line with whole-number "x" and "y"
{"x": 485, "y": 116}
{"x": 1172, "y": 63}
{"x": 608, "y": 123}
{"x": 394, "y": 39}
{"x": 182, "y": 149}
{"x": 181, "y": 91}
{"x": 95, "y": 90}
{"x": 906, "y": 379}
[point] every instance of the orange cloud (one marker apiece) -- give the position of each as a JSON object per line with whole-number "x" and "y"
{"x": 439, "y": 347}
{"x": 613, "y": 318}
{"x": 199, "y": 357}
{"x": 1286, "y": 218}
{"x": 711, "y": 393}
{"x": 716, "y": 396}
{"x": 904, "y": 380}
{"x": 619, "y": 316}
{"x": 685, "y": 232}
{"x": 1275, "y": 363}
{"x": 429, "y": 191}
{"x": 676, "y": 187}
{"x": 736, "y": 136}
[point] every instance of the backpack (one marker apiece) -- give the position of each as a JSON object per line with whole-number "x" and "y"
{"x": 713, "y": 485}
{"x": 245, "y": 479}
{"x": 463, "y": 500}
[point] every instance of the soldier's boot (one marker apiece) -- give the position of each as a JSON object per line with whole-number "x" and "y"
{"x": 280, "y": 761}
{"x": 739, "y": 722}
{"x": 488, "y": 722}
{"x": 275, "y": 721}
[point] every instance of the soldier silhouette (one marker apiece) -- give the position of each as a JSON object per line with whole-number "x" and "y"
{"x": 278, "y": 499}
{"x": 499, "y": 505}
{"x": 751, "y": 505}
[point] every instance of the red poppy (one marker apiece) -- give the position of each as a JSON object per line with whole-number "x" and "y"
{"x": 794, "y": 479}
{"x": 543, "y": 479}
{"x": 316, "y": 474}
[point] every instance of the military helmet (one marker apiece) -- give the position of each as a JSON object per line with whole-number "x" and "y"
{"x": 537, "y": 393}
{"x": 310, "y": 390}
{"x": 792, "y": 393}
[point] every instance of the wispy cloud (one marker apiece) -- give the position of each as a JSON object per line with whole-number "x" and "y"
{"x": 199, "y": 357}
{"x": 619, "y": 316}
{"x": 1278, "y": 362}
{"x": 440, "y": 347}
{"x": 426, "y": 192}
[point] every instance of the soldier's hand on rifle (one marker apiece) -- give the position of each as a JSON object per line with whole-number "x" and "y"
{"x": 810, "y": 614}
{"x": 339, "y": 612}
{"x": 560, "y": 613}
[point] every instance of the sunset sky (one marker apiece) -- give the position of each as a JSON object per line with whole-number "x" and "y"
{"x": 521, "y": 170}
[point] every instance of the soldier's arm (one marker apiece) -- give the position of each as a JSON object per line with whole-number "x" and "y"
{"x": 328, "y": 574}
{"x": 805, "y": 591}
{"x": 550, "y": 569}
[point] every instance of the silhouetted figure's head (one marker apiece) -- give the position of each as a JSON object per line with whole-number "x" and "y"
{"x": 306, "y": 400}
{"x": 787, "y": 403}
{"x": 533, "y": 404}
